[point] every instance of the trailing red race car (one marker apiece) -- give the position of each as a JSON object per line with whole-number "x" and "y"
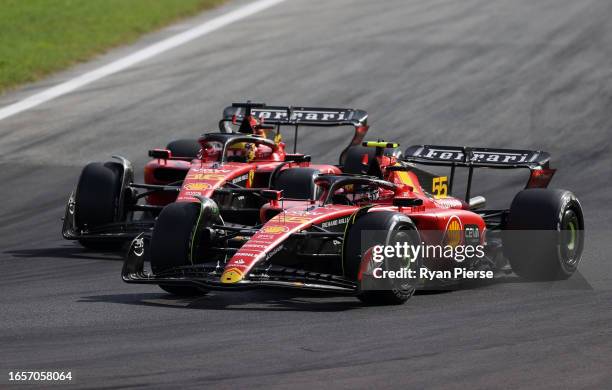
{"x": 108, "y": 207}
{"x": 328, "y": 239}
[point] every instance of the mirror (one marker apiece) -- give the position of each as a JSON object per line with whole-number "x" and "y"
{"x": 477, "y": 202}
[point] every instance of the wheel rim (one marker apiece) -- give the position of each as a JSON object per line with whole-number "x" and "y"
{"x": 571, "y": 240}
{"x": 572, "y": 243}
{"x": 404, "y": 234}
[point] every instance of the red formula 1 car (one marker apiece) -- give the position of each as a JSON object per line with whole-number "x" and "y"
{"x": 328, "y": 240}
{"x": 230, "y": 167}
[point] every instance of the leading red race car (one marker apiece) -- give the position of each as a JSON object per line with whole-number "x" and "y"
{"x": 328, "y": 239}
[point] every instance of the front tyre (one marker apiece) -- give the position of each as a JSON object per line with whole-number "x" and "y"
{"x": 544, "y": 237}
{"x": 172, "y": 242}
{"x": 380, "y": 228}
{"x": 97, "y": 200}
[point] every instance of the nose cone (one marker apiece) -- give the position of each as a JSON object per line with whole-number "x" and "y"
{"x": 231, "y": 275}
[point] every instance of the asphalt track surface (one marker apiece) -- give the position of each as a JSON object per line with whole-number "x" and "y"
{"x": 507, "y": 73}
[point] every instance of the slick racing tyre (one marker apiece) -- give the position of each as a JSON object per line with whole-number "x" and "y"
{"x": 97, "y": 200}
{"x": 544, "y": 237}
{"x": 380, "y": 228}
{"x": 171, "y": 242}
{"x": 184, "y": 148}
{"x": 297, "y": 183}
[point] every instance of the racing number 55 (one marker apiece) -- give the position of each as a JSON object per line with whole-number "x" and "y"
{"x": 440, "y": 187}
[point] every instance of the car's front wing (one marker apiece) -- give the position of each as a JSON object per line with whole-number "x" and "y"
{"x": 208, "y": 276}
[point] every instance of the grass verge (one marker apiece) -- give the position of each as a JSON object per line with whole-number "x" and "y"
{"x": 38, "y": 37}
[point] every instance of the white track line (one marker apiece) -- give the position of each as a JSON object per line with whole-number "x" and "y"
{"x": 137, "y": 57}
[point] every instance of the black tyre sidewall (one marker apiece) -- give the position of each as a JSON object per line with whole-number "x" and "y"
{"x": 539, "y": 256}
{"x": 172, "y": 236}
{"x": 387, "y": 223}
{"x": 97, "y": 194}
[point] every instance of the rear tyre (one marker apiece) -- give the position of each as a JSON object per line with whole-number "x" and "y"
{"x": 97, "y": 200}
{"x": 171, "y": 243}
{"x": 551, "y": 245}
{"x": 380, "y": 228}
{"x": 354, "y": 161}
{"x": 297, "y": 183}
{"x": 184, "y": 148}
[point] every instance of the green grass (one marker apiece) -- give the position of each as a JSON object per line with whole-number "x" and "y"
{"x": 38, "y": 37}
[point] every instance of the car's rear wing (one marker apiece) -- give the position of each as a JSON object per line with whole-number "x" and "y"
{"x": 303, "y": 116}
{"x": 476, "y": 157}
{"x": 455, "y": 156}
{"x": 297, "y": 117}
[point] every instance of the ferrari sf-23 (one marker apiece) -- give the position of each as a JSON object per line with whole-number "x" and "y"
{"x": 318, "y": 230}
{"x": 230, "y": 167}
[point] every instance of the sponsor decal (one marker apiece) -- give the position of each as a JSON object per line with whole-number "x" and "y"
{"x": 335, "y": 222}
{"x": 273, "y": 252}
{"x": 210, "y": 170}
{"x": 294, "y": 218}
{"x": 453, "y": 231}
{"x": 197, "y": 186}
{"x": 206, "y": 176}
{"x": 478, "y": 156}
{"x": 71, "y": 204}
{"x": 240, "y": 178}
{"x": 138, "y": 246}
{"x": 242, "y": 254}
{"x": 309, "y": 115}
{"x": 303, "y": 212}
{"x": 275, "y": 229}
{"x": 472, "y": 235}
{"x": 448, "y": 203}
